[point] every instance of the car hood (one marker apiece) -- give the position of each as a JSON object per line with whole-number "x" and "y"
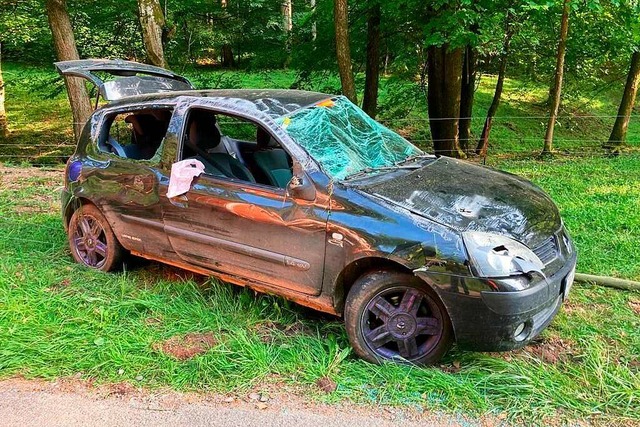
{"x": 468, "y": 197}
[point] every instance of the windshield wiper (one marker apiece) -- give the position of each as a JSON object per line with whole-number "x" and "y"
{"x": 369, "y": 170}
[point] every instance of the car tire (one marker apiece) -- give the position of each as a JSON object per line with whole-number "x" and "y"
{"x": 92, "y": 241}
{"x": 394, "y": 316}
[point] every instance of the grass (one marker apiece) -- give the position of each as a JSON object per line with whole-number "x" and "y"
{"x": 58, "y": 319}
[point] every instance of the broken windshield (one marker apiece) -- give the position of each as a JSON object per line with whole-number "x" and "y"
{"x": 344, "y": 139}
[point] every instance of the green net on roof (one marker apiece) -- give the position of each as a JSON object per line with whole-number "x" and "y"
{"x": 344, "y": 139}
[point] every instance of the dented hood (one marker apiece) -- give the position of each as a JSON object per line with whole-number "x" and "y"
{"x": 468, "y": 197}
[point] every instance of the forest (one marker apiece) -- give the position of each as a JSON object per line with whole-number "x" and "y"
{"x": 545, "y": 89}
{"x": 435, "y": 71}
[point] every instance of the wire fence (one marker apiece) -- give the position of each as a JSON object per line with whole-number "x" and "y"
{"x": 511, "y": 135}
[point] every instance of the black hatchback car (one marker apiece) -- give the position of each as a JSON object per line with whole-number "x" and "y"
{"x": 302, "y": 195}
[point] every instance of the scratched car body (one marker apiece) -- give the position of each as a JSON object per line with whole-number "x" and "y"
{"x": 306, "y": 197}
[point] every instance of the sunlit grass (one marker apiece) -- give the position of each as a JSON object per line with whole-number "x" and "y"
{"x": 59, "y": 319}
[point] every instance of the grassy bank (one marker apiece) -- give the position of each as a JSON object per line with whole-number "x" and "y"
{"x": 58, "y": 319}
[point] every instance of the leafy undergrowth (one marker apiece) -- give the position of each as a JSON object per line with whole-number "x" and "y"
{"x": 58, "y": 319}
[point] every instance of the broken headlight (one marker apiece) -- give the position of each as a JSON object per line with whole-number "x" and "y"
{"x": 494, "y": 255}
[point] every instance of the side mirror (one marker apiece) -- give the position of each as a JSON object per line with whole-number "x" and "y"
{"x": 300, "y": 185}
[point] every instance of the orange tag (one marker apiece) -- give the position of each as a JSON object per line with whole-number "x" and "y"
{"x": 328, "y": 103}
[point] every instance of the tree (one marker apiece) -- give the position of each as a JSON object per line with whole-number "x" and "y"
{"x": 4, "y": 123}
{"x": 443, "y": 97}
{"x": 468, "y": 86}
{"x": 287, "y": 15}
{"x": 556, "y": 90}
{"x": 152, "y": 22}
{"x": 343, "y": 50}
{"x": 372, "y": 78}
{"x": 65, "y": 46}
{"x": 483, "y": 142}
{"x": 619, "y": 131}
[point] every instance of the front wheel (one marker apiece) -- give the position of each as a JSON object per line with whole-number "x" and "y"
{"x": 395, "y": 316}
{"x": 92, "y": 241}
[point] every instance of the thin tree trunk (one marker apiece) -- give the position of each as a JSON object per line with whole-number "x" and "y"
{"x": 152, "y": 23}
{"x": 314, "y": 23}
{"x": 372, "y": 78}
{"x": 4, "y": 123}
{"x": 483, "y": 142}
{"x": 65, "y": 46}
{"x": 343, "y": 51}
{"x": 556, "y": 89}
{"x": 228, "y": 60}
{"x": 619, "y": 131}
{"x": 466, "y": 96}
{"x": 443, "y": 97}
{"x": 287, "y": 14}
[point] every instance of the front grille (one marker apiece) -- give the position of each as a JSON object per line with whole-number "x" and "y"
{"x": 547, "y": 251}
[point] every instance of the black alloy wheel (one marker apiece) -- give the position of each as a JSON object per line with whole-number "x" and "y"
{"x": 395, "y": 316}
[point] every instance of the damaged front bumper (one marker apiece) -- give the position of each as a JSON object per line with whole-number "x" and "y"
{"x": 486, "y": 320}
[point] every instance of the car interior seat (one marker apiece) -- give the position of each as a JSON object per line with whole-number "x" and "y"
{"x": 147, "y": 134}
{"x": 204, "y": 140}
{"x": 271, "y": 160}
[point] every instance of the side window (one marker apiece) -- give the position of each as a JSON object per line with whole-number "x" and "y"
{"x": 134, "y": 134}
{"x": 233, "y": 147}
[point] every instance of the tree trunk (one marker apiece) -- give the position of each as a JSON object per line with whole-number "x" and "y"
{"x": 66, "y": 50}
{"x": 443, "y": 98}
{"x": 483, "y": 142}
{"x": 556, "y": 89}
{"x": 372, "y": 79}
{"x": 4, "y": 123}
{"x": 343, "y": 51}
{"x": 152, "y": 23}
{"x": 619, "y": 131}
{"x": 466, "y": 96}
{"x": 314, "y": 23}
{"x": 287, "y": 15}
{"x": 228, "y": 60}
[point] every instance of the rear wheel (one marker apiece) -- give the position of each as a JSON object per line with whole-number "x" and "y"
{"x": 92, "y": 241}
{"x": 396, "y": 316}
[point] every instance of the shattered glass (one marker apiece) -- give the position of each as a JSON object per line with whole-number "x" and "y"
{"x": 344, "y": 139}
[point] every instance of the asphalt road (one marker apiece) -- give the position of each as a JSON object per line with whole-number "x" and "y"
{"x": 28, "y": 403}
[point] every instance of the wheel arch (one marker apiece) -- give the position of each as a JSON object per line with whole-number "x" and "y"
{"x": 74, "y": 204}
{"x": 357, "y": 268}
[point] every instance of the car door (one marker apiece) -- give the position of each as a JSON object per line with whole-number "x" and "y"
{"x": 125, "y": 189}
{"x": 253, "y": 231}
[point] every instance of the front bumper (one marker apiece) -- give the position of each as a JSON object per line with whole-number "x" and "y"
{"x": 496, "y": 321}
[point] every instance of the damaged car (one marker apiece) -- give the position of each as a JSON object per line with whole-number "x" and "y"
{"x": 302, "y": 195}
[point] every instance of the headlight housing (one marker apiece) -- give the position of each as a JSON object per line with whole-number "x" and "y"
{"x": 495, "y": 255}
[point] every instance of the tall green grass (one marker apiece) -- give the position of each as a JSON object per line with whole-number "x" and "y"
{"x": 59, "y": 319}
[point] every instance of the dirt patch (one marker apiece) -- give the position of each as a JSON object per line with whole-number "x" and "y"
{"x": 186, "y": 346}
{"x": 550, "y": 350}
{"x": 634, "y": 304}
{"x": 268, "y": 330}
{"x": 120, "y": 389}
{"x": 326, "y": 384}
{"x": 16, "y": 178}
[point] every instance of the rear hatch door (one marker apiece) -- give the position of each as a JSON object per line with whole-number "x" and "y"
{"x": 117, "y": 79}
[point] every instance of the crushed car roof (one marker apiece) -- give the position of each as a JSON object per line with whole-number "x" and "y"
{"x": 274, "y": 102}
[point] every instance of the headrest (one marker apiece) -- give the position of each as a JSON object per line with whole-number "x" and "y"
{"x": 203, "y": 131}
